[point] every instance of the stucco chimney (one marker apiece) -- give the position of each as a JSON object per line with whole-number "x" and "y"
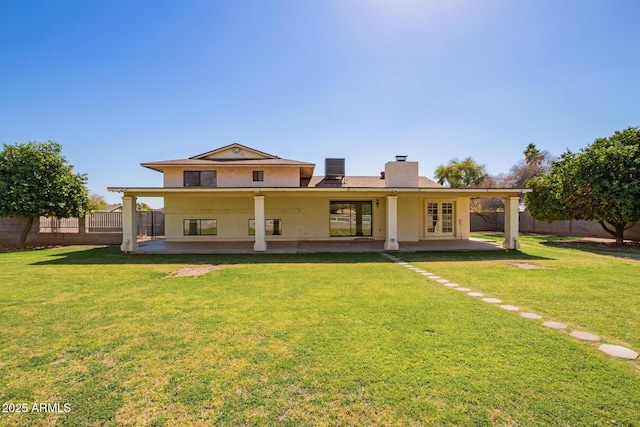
{"x": 401, "y": 173}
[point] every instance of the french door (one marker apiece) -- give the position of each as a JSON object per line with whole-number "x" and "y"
{"x": 439, "y": 218}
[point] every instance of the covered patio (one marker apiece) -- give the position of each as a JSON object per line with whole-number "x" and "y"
{"x": 161, "y": 246}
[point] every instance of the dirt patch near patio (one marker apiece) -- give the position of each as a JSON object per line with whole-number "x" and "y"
{"x": 194, "y": 271}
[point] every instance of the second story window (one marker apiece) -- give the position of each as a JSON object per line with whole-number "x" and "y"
{"x": 200, "y": 179}
{"x": 258, "y": 176}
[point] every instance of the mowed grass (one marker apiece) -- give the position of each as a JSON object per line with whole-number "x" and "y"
{"x": 597, "y": 290}
{"x": 329, "y": 339}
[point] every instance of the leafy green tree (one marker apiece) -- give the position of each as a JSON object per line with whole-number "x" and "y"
{"x": 142, "y": 206}
{"x": 98, "y": 202}
{"x": 600, "y": 183}
{"x": 35, "y": 180}
{"x": 461, "y": 174}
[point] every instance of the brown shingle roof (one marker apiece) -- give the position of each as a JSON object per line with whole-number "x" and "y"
{"x": 226, "y": 162}
{"x": 362, "y": 182}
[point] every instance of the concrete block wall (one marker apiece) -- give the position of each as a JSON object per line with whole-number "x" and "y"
{"x": 10, "y": 229}
{"x": 494, "y": 221}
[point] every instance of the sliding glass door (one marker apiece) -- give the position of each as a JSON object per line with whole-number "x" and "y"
{"x": 350, "y": 218}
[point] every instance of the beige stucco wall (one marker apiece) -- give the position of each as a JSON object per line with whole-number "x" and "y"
{"x": 240, "y": 176}
{"x": 304, "y": 217}
{"x": 410, "y": 218}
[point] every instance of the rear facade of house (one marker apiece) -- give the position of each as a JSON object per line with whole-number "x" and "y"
{"x": 237, "y": 193}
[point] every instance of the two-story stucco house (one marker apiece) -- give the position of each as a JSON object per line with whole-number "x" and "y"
{"x": 237, "y": 193}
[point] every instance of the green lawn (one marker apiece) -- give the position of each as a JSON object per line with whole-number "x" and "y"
{"x": 595, "y": 291}
{"x": 315, "y": 339}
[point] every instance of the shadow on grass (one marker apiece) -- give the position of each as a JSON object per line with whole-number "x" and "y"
{"x": 631, "y": 251}
{"x": 113, "y": 256}
{"x": 470, "y": 256}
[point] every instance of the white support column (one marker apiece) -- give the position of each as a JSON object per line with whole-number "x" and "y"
{"x": 260, "y": 244}
{"x": 511, "y": 223}
{"x": 463, "y": 218}
{"x": 129, "y": 225}
{"x": 391, "y": 242}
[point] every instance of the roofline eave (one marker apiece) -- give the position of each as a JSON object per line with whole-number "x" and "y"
{"x": 460, "y": 192}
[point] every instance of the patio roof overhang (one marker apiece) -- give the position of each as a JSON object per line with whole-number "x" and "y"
{"x": 443, "y": 192}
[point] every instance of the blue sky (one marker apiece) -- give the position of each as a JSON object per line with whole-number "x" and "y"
{"x": 118, "y": 83}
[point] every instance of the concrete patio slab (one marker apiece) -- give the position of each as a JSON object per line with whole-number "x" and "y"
{"x": 161, "y": 246}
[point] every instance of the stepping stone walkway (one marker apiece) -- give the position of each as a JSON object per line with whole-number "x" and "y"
{"x": 555, "y": 325}
{"x": 587, "y": 336}
{"x": 619, "y": 351}
{"x": 612, "y": 350}
{"x": 531, "y": 316}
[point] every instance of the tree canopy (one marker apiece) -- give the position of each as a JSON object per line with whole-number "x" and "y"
{"x": 142, "y": 206}
{"x": 36, "y": 180}
{"x": 460, "y": 174}
{"x": 98, "y": 202}
{"x": 600, "y": 183}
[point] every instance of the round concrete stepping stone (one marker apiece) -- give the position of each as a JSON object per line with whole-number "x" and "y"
{"x": 619, "y": 351}
{"x": 510, "y": 307}
{"x": 531, "y": 316}
{"x": 555, "y": 325}
{"x": 451, "y": 285}
{"x": 434, "y": 277}
{"x": 492, "y": 300}
{"x": 475, "y": 294}
{"x": 461, "y": 289}
{"x": 442, "y": 281}
{"x": 403, "y": 263}
{"x": 584, "y": 336}
{"x": 424, "y": 273}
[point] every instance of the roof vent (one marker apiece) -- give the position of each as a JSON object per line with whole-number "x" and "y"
{"x": 401, "y": 158}
{"x": 334, "y": 168}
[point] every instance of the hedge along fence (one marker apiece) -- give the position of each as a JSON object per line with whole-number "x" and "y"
{"x": 494, "y": 221}
{"x": 98, "y": 228}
